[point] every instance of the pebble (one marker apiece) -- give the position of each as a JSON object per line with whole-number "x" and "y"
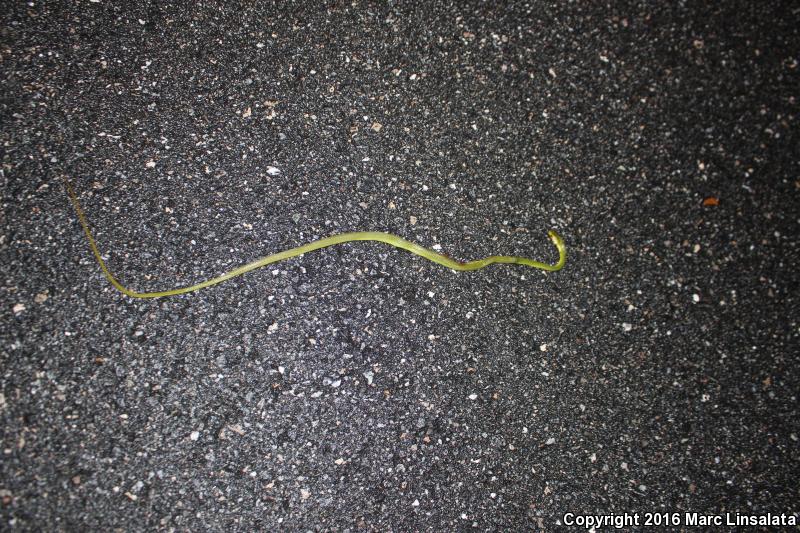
{"x": 369, "y": 376}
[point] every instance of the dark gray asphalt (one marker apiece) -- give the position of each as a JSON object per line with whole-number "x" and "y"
{"x": 360, "y": 387}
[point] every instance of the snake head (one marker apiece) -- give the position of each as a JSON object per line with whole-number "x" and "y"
{"x": 562, "y": 249}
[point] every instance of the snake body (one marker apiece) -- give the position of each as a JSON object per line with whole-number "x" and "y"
{"x": 341, "y": 238}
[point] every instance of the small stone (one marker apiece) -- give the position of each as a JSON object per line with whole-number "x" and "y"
{"x": 626, "y": 326}
{"x": 76, "y": 480}
{"x": 150, "y": 164}
{"x": 18, "y": 308}
{"x": 369, "y": 375}
{"x": 272, "y": 328}
{"x": 695, "y": 298}
{"x": 273, "y": 171}
{"x": 376, "y": 126}
{"x": 247, "y": 113}
{"x": 41, "y": 297}
{"x": 339, "y": 461}
{"x": 415, "y": 504}
{"x": 543, "y": 347}
{"x": 304, "y": 494}
{"x": 194, "y": 435}
{"x": 413, "y": 220}
{"x": 473, "y": 396}
{"x": 392, "y": 206}
{"x": 550, "y": 441}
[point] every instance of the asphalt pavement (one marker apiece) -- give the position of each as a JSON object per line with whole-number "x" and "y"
{"x": 361, "y": 387}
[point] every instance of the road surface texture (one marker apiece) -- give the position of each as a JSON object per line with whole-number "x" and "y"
{"x": 361, "y": 387}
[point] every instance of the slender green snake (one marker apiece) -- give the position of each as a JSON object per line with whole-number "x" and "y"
{"x": 388, "y": 238}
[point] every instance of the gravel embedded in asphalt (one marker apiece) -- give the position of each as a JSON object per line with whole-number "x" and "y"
{"x": 361, "y": 387}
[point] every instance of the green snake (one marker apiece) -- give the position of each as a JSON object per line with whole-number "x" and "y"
{"x": 378, "y": 236}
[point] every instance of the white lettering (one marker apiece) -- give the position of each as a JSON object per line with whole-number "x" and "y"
{"x": 704, "y": 520}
